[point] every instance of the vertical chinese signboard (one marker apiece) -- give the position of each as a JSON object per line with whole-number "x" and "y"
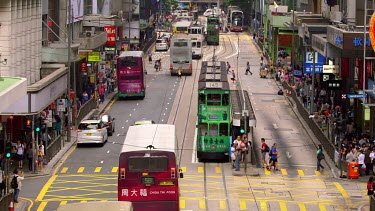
{"x": 111, "y": 35}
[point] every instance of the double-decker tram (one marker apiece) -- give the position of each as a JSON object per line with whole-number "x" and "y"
{"x": 181, "y": 55}
{"x": 196, "y": 33}
{"x": 131, "y": 74}
{"x": 236, "y": 18}
{"x": 213, "y": 30}
{"x": 181, "y": 27}
{"x": 213, "y": 137}
{"x": 148, "y": 168}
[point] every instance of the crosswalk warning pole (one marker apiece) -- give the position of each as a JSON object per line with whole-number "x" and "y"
{"x": 11, "y": 207}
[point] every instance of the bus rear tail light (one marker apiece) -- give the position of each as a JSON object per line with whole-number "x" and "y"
{"x": 171, "y": 66}
{"x": 190, "y": 66}
{"x": 122, "y": 173}
{"x": 78, "y": 130}
{"x": 99, "y": 130}
{"x": 173, "y": 173}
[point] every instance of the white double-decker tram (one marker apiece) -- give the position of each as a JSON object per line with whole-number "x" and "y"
{"x": 196, "y": 34}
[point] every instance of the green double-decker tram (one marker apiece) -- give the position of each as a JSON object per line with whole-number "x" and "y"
{"x": 213, "y": 29}
{"x": 213, "y": 136}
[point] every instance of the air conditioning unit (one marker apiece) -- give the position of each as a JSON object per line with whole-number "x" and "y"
{"x": 89, "y": 33}
{"x": 44, "y": 43}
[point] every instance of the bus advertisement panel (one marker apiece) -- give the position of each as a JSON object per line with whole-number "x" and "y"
{"x": 131, "y": 74}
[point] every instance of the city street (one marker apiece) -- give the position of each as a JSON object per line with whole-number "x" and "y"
{"x": 89, "y": 173}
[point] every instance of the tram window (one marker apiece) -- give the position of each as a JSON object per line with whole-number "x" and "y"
{"x": 203, "y": 128}
{"x": 213, "y": 99}
{"x": 224, "y": 129}
{"x": 202, "y": 99}
{"x": 225, "y": 100}
{"x": 214, "y": 129}
{"x": 198, "y": 44}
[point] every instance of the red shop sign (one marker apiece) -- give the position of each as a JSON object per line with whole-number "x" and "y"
{"x": 83, "y": 67}
{"x": 111, "y": 35}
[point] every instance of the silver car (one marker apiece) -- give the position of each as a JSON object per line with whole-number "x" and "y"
{"x": 92, "y": 131}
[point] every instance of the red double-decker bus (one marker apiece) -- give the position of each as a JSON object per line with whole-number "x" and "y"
{"x": 149, "y": 177}
{"x": 131, "y": 74}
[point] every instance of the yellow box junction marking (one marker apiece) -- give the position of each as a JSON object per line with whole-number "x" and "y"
{"x": 182, "y": 204}
{"x": 183, "y": 169}
{"x": 300, "y": 172}
{"x": 63, "y": 202}
{"x": 223, "y": 205}
{"x": 301, "y": 206}
{"x": 42, "y": 206}
{"x": 84, "y": 201}
{"x": 266, "y": 171}
{"x": 98, "y": 169}
{"x": 343, "y": 193}
{"x": 202, "y": 204}
{"x": 44, "y": 190}
{"x": 283, "y": 172}
{"x": 263, "y": 205}
{"x": 282, "y": 206}
{"x": 200, "y": 170}
{"x": 317, "y": 173}
{"x": 217, "y": 170}
{"x": 81, "y": 169}
{"x": 243, "y": 205}
{"x": 322, "y": 207}
{"x": 114, "y": 169}
{"x": 64, "y": 170}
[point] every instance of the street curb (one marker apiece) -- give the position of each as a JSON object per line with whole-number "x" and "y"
{"x": 72, "y": 143}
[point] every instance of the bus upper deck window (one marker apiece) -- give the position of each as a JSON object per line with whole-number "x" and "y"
{"x": 198, "y": 44}
{"x": 203, "y": 128}
{"x": 225, "y": 100}
{"x": 199, "y": 31}
{"x": 224, "y": 129}
{"x": 194, "y": 44}
{"x": 213, "y": 99}
{"x": 214, "y": 129}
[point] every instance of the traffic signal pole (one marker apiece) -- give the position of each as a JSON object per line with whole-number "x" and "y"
{"x": 34, "y": 135}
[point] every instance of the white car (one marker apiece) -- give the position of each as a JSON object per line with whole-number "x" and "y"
{"x": 92, "y": 131}
{"x": 161, "y": 44}
{"x": 208, "y": 12}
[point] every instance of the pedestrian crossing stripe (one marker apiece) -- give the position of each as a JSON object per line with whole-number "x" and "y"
{"x": 200, "y": 169}
{"x": 264, "y": 205}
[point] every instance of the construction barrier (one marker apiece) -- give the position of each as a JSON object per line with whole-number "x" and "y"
{"x": 5, "y": 201}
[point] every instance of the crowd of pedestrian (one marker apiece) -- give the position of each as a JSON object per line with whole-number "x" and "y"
{"x": 240, "y": 151}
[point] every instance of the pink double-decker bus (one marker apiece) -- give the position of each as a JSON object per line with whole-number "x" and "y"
{"x": 148, "y": 168}
{"x": 131, "y": 75}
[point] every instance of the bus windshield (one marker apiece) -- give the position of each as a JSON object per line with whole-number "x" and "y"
{"x": 130, "y": 62}
{"x": 180, "y": 44}
{"x": 237, "y": 21}
{"x": 148, "y": 164}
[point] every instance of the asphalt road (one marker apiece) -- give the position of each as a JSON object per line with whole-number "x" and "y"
{"x": 89, "y": 173}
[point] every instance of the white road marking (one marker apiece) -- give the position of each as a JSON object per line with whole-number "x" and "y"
{"x": 124, "y": 127}
{"x": 164, "y": 114}
{"x": 194, "y": 153}
{"x": 162, "y": 120}
{"x": 108, "y": 151}
{"x": 166, "y": 108}
{"x": 170, "y": 98}
{"x": 101, "y": 161}
{"x": 134, "y": 109}
{"x": 288, "y": 155}
{"x": 118, "y": 134}
{"x": 147, "y": 86}
{"x": 275, "y": 126}
{"x": 137, "y": 103}
{"x": 113, "y": 142}
{"x": 168, "y": 103}
{"x": 256, "y": 109}
{"x": 130, "y": 114}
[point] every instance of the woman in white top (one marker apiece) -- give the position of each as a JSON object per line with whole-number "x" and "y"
{"x": 20, "y": 148}
{"x": 361, "y": 161}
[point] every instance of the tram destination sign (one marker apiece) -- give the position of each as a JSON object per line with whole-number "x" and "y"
{"x": 214, "y": 85}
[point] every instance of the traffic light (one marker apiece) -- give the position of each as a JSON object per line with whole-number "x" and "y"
{"x": 8, "y": 149}
{"x": 28, "y": 122}
{"x": 37, "y": 124}
{"x": 244, "y": 124}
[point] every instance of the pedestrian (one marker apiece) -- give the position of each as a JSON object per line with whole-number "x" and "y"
{"x": 149, "y": 57}
{"x": 40, "y": 158}
{"x": 248, "y": 69}
{"x": 228, "y": 67}
{"x": 240, "y": 145}
{"x": 2, "y": 183}
{"x": 233, "y": 154}
{"x": 159, "y": 65}
{"x": 101, "y": 94}
{"x": 85, "y": 97}
{"x": 179, "y": 73}
{"x": 261, "y": 61}
{"x": 370, "y": 186}
{"x": 16, "y": 184}
{"x": 29, "y": 156}
{"x": 274, "y": 154}
{"x": 264, "y": 149}
{"x": 233, "y": 76}
{"x": 361, "y": 162}
{"x": 57, "y": 125}
{"x": 113, "y": 84}
{"x": 20, "y": 149}
{"x": 320, "y": 157}
{"x": 368, "y": 162}
{"x": 156, "y": 66}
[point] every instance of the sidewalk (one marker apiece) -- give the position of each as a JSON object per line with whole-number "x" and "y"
{"x": 48, "y": 169}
